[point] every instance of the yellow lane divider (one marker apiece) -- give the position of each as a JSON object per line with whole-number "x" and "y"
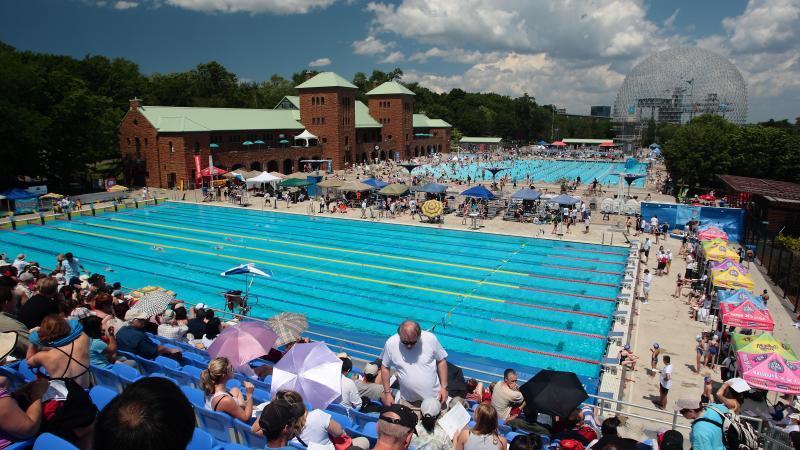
{"x": 316, "y": 258}
{"x": 324, "y": 247}
{"x": 285, "y": 266}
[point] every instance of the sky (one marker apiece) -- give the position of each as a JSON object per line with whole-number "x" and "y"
{"x": 571, "y": 53}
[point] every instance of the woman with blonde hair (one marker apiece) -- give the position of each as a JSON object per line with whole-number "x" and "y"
{"x": 218, "y": 398}
{"x": 484, "y": 435}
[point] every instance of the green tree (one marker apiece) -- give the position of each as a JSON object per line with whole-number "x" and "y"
{"x": 699, "y": 150}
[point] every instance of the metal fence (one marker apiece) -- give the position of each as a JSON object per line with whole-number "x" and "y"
{"x": 781, "y": 264}
{"x": 776, "y": 439}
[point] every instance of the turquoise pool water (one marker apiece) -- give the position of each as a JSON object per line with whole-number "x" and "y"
{"x": 539, "y": 170}
{"x": 532, "y": 302}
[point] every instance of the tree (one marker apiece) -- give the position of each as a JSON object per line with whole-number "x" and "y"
{"x": 699, "y": 150}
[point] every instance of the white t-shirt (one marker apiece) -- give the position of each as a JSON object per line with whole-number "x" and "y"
{"x": 654, "y": 222}
{"x": 349, "y": 397}
{"x": 316, "y": 429}
{"x": 416, "y": 367}
{"x": 665, "y": 378}
{"x": 647, "y": 282}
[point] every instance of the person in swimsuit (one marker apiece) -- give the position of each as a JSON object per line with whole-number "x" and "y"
{"x": 627, "y": 358}
{"x": 218, "y": 398}
{"x": 69, "y": 361}
{"x": 484, "y": 435}
{"x": 654, "y": 352}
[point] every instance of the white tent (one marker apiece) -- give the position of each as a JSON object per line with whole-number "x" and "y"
{"x": 307, "y": 136}
{"x": 264, "y": 177}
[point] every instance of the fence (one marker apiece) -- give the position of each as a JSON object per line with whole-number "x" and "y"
{"x": 781, "y": 264}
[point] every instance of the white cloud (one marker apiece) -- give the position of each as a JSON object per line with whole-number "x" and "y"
{"x": 671, "y": 19}
{"x": 765, "y": 25}
{"x": 320, "y": 62}
{"x": 250, "y": 6}
{"x": 371, "y": 46}
{"x": 454, "y": 55}
{"x": 122, "y": 5}
{"x": 392, "y": 58}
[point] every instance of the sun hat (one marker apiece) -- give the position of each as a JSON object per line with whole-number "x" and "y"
{"x": 136, "y": 313}
{"x": 430, "y": 407}
{"x": 79, "y": 313}
{"x": 687, "y": 403}
{"x": 794, "y": 416}
{"x": 8, "y": 340}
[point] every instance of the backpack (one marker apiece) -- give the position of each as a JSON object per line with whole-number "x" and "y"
{"x": 736, "y": 433}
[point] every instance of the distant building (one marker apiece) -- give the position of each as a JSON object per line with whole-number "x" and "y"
{"x": 600, "y": 111}
{"x": 162, "y": 144}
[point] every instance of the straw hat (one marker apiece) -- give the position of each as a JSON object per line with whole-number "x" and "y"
{"x": 8, "y": 341}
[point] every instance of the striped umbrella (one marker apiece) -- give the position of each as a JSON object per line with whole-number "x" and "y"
{"x": 288, "y": 327}
{"x": 432, "y": 208}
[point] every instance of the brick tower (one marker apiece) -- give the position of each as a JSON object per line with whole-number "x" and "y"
{"x": 392, "y": 105}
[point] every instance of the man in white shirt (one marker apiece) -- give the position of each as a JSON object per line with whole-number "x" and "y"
{"x": 506, "y": 395}
{"x": 647, "y": 283}
{"x": 421, "y": 366}
{"x": 665, "y": 383}
{"x": 349, "y": 397}
{"x": 654, "y": 225}
{"x": 20, "y": 263}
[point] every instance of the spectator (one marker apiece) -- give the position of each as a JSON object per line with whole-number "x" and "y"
{"x": 19, "y": 263}
{"x": 197, "y": 325}
{"x": 132, "y": 338}
{"x": 526, "y": 442}
{"x": 169, "y": 327}
{"x": 610, "y": 435}
{"x": 670, "y": 440}
{"x": 151, "y": 413}
{"x": 483, "y": 435}
{"x": 100, "y": 353}
{"x": 794, "y": 436}
{"x": 9, "y": 322}
{"x": 40, "y": 305}
{"x": 25, "y": 288}
{"x": 20, "y": 422}
{"x": 213, "y": 381}
{"x": 706, "y": 433}
{"x": 627, "y": 358}
{"x": 213, "y": 326}
{"x": 421, "y": 366}
{"x": 280, "y": 421}
{"x": 730, "y": 398}
{"x": 474, "y": 390}
{"x": 70, "y": 266}
{"x": 429, "y": 434}
{"x": 396, "y": 425}
{"x": 795, "y": 423}
{"x": 349, "y": 397}
{"x": 368, "y": 387}
{"x": 181, "y": 316}
{"x": 647, "y": 284}
{"x": 119, "y": 309}
{"x": 70, "y": 360}
{"x": 506, "y": 396}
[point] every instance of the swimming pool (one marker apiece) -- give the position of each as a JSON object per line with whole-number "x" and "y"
{"x": 548, "y": 171}
{"x": 520, "y": 301}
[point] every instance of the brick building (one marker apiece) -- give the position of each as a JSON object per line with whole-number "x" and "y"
{"x": 162, "y": 144}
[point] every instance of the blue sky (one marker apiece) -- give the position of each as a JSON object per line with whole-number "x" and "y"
{"x": 572, "y": 53}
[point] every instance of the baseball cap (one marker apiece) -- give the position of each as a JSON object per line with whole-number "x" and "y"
{"x": 27, "y": 276}
{"x": 687, "y": 403}
{"x": 795, "y": 416}
{"x": 627, "y": 347}
{"x": 279, "y": 413}
{"x": 200, "y": 306}
{"x": 656, "y": 345}
{"x": 136, "y": 313}
{"x": 407, "y": 418}
{"x": 430, "y": 407}
{"x": 371, "y": 369}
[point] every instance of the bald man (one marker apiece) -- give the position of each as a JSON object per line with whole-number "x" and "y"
{"x": 421, "y": 365}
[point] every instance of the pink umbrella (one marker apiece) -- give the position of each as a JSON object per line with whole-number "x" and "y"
{"x": 607, "y": 144}
{"x": 726, "y": 264}
{"x": 712, "y": 233}
{"x": 559, "y": 144}
{"x": 770, "y": 371}
{"x": 243, "y": 343}
{"x": 746, "y": 315}
{"x": 312, "y": 370}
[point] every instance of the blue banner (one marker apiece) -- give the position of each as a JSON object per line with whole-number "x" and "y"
{"x": 729, "y": 220}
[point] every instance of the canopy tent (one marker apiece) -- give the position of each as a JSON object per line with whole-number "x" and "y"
{"x": 433, "y": 188}
{"x": 306, "y": 136}
{"x": 117, "y": 188}
{"x": 564, "y": 199}
{"x": 478, "y": 192}
{"x": 770, "y": 371}
{"x": 738, "y": 296}
{"x": 526, "y": 194}
{"x": 377, "y": 184}
{"x": 278, "y": 174}
{"x": 746, "y": 315}
{"x": 263, "y": 177}
{"x": 299, "y": 175}
{"x": 559, "y": 144}
{"x": 761, "y": 344}
{"x": 330, "y": 183}
{"x": 726, "y": 264}
{"x": 354, "y": 186}
{"x": 731, "y": 278}
{"x": 654, "y": 145}
{"x": 542, "y": 142}
{"x": 718, "y": 250}
{"x": 607, "y": 144}
{"x": 18, "y": 194}
{"x": 712, "y": 232}
{"x": 209, "y": 171}
{"x": 294, "y": 182}
{"x": 394, "y": 189}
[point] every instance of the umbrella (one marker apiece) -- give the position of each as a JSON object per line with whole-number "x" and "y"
{"x": 247, "y": 143}
{"x": 243, "y": 343}
{"x": 294, "y": 182}
{"x": 526, "y": 194}
{"x": 564, "y": 199}
{"x": 394, "y": 189}
{"x": 52, "y": 195}
{"x": 284, "y": 141}
{"x": 117, "y": 188}
{"x": 478, "y": 192}
{"x": 377, "y": 184}
{"x": 746, "y": 315}
{"x": 354, "y": 186}
{"x": 711, "y": 233}
{"x": 213, "y": 145}
{"x": 433, "y": 188}
{"x": 330, "y": 183}
{"x": 607, "y": 144}
{"x": 554, "y": 392}
{"x": 289, "y": 326}
{"x": 432, "y": 208}
{"x": 313, "y": 371}
{"x": 410, "y": 166}
{"x": 559, "y": 144}
{"x": 707, "y": 197}
{"x": 259, "y": 142}
{"x": 155, "y": 302}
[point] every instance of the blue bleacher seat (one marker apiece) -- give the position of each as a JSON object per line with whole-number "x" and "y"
{"x": 15, "y": 378}
{"x": 107, "y": 378}
{"x": 235, "y": 447}
{"x": 164, "y": 376}
{"x": 48, "y": 441}
{"x": 247, "y": 437}
{"x": 342, "y": 419}
{"x": 195, "y": 360}
{"x": 234, "y": 383}
{"x": 148, "y": 367}
{"x": 338, "y": 408}
{"x": 101, "y": 396}
{"x": 21, "y": 445}
{"x": 181, "y": 377}
{"x": 218, "y": 425}
{"x": 545, "y": 440}
{"x": 195, "y": 396}
{"x": 362, "y": 419}
{"x": 200, "y": 441}
{"x": 260, "y": 396}
{"x": 192, "y": 371}
{"x": 369, "y": 431}
{"x": 26, "y": 371}
{"x": 127, "y": 374}
{"x": 167, "y": 362}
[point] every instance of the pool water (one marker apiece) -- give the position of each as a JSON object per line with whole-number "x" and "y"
{"x": 520, "y": 301}
{"x": 548, "y": 171}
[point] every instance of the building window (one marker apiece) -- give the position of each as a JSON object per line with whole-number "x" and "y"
{"x": 324, "y": 140}
{"x": 389, "y": 138}
{"x": 196, "y": 147}
{"x": 129, "y": 141}
{"x": 136, "y": 121}
{"x": 171, "y": 147}
{"x": 346, "y": 140}
{"x": 145, "y": 142}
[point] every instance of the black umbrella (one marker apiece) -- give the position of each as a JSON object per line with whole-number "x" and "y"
{"x": 554, "y": 392}
{"x": 410, "y": 166}
{"x": 630, "y": 178}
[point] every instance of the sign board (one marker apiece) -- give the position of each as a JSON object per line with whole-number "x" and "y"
{"x": 25, "y": 206}
{"x": 38, "y": 190}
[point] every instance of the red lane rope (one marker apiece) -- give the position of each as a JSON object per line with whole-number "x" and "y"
{"x": 554, "y": 355}
{"x": 550, "y": 308}
{"x": 586, "y": 259}
{"x": 547, "y": 291}
{"x": 591, "y": 251}
{"x": 556, "y": 266}
{"x": 572, "y": 280}
{"x": 539, "y": 327}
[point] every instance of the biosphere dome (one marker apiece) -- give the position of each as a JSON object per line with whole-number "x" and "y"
{"x": 678, "y": 84}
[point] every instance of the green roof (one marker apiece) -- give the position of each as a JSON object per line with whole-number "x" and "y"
{"x": 325, "y": 80}
{"x": 363, "y": 119}
{"x": 292, "y": 100}
{"x": 423, "y": 121}
{"x": 175, "y": 119}
{"x": 390, "y": 88}
{"x": 480, "y": 140}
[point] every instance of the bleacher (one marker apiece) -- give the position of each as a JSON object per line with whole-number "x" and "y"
{"x": 214, "y": 431}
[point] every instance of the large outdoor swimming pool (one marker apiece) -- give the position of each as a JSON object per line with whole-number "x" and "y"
{"x": 517, "y": 301}
{"x": 549, "y": 171}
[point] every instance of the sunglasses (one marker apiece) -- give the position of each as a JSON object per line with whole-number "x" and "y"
{"x": 408, "y": 343}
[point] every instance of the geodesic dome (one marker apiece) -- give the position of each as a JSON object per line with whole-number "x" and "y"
{"x": 675, "y": 85}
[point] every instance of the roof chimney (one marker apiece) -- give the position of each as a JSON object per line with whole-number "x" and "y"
{"x": 308, "y": 75}
{"x": 135, "y": 103}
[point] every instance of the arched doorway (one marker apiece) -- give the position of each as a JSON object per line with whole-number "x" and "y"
{"x": 272, "y": 166}
{"x": 255, "y": 165}
{"x": 287, "y": 166}
{"x": 416, "y": 151}
{"x": 373, "y": 155}
{"x": 383, "y": 155}
{"x": 234, "y": 167}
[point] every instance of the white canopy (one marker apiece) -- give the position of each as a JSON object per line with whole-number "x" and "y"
{"x": 305, "y": 135}
{"x": 264, "y": 177}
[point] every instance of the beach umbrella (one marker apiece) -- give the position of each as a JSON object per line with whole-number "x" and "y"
{"x": 630, "y": 178}
{"x": 284, "y": 141}
{"x": 243, "y": 343}
{"x": 394, "y": 189}
{"x": 138, "y": 293}
{"x": 433, "y": 188}
{"x": 155, "y": 302}
{"x": 259, "y": 142}
{"x": 330, "y": 183}
{"x": 52, "y": 195}
{"x": 607, "y": 144}
{"x": 564, "y": 199}
{"x": 554, "y": 392}
{"x": 117, "y": 188}
{"x": 377, "y": 184}
{"x": 247, "y": 143}
{"x": 212, "y": 171}
{"x": 478, "y": 192}
{"x": 707, "y": 197}
{"x": 432, "y": 209}
{"x": 313, "y": 371}
{"x": 212, "y": 145}
{"x": 410, "y": 166}
{"x": 543, "y": 142}
{"x": 289, "y": 326}
{"x": 354, "y": 186}
{"x": 559, "y": 144}
{"x": 526, "y": 194}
